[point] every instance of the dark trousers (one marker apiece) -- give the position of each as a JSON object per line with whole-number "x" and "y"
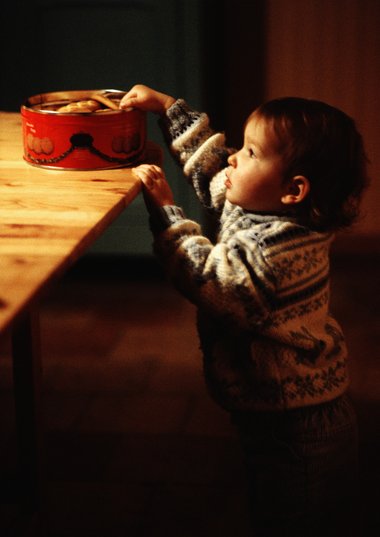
{"x": 302, "y": 470}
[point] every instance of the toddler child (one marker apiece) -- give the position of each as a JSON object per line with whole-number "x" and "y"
{"x": 274, "y": 357}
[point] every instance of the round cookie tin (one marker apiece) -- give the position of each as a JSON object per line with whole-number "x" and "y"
{"x": 82, "y": 130}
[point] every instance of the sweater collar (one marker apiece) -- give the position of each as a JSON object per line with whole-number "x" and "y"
{"x": 263, "y": 218}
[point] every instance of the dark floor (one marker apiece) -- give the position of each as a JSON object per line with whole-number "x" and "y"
{"x": 133, "y": 445}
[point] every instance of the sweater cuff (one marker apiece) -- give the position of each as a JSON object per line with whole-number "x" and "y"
{"x": 178, "y": 118}
{"x": 164, "y": 217}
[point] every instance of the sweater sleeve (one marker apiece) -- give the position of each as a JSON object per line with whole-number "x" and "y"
{"x": 200, "y": 151}
{"x": 218, "y": 278}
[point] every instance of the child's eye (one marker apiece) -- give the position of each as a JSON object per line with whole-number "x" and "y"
{"x": 251, "y": 153}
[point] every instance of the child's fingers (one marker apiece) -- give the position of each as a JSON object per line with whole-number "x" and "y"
{"x": 153, "y": 171}
{"x": 149, "y": 174}
{"x": 149, "y": 170}
{"x": 156, "y": 188}
{"x": 129, "y": 100}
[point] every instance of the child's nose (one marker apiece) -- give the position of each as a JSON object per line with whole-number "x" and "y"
{"x": 232, "y": 160}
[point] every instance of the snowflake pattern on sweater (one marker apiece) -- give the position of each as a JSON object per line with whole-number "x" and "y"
{"x": 262, "y": 291}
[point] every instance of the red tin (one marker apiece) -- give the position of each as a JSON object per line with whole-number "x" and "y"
{"x": 81, "y": 141}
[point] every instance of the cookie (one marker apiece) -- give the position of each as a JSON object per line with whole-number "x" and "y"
{"x": 80, "y": 107}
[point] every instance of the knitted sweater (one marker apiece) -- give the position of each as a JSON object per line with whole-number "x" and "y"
{"x": 262, "y": 291}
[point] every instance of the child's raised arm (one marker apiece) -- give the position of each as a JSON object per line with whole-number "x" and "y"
{"x": 199, "y": 150}
{"x": 147, "y": 99}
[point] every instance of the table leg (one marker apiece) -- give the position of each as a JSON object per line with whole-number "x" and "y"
{"x": 27, "y": 383}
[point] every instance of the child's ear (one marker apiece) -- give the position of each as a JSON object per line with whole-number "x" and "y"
{"x": 296, "y": 190}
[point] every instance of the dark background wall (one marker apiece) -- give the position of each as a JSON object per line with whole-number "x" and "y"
{"x": 208, "y": 51}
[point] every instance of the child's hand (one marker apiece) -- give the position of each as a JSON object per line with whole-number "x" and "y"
{"x": 156, "y": 189}
{"x": 146, "y": 99}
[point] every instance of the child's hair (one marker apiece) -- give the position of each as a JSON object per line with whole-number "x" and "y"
{"x": 323, "y": 144}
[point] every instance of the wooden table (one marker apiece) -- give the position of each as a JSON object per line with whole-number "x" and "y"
{"x": 48, "y": 218}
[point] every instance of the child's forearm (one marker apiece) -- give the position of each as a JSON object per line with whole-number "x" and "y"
{"x": 185, "y": 129}
{"x": 199, "y": 150}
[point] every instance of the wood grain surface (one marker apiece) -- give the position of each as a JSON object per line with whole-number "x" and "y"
{"x": 48, "y": 218}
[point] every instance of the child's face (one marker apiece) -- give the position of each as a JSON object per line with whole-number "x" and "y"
{"x": 255, "y": 177}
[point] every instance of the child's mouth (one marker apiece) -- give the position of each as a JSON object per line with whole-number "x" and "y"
{"x": 227, "y": 182}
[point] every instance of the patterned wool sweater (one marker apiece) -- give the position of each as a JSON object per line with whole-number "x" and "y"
{"x": 262, "y": 290}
